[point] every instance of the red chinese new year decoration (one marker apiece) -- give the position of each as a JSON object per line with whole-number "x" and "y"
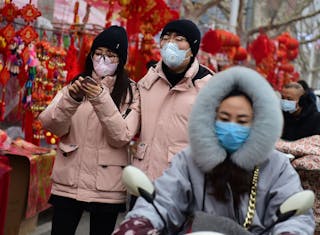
{"x": 8, "y": 32}
{"x": 109, "y": 14}
{"x": 4, "y": 76}
{"x": 28, "y": 34}
{"x": 241, "y": 54}
{"x": 72, "y": 65}
{"x": 144, "y": 19}
{"x": 215, "y": 41}
{"x": 138, "y": 13}
{"x": 272, "y": 58}
{"x": 29, "y": 13}
{"x": 261, "y": 48}
{"x": 288, "y": 46}
{"x": 10, "y": 12}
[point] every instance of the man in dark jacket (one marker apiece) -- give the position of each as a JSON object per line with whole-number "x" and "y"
{"x": 301, "y": 118}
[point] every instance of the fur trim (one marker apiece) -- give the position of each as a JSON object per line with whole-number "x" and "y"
{"x": 265, "y": 130}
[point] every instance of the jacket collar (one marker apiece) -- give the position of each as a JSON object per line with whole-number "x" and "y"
{"x": 155, "y": 73}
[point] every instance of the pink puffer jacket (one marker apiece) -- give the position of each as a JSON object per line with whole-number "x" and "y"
{"x": 93, "y": 148}
{"x": 164, "y": 117}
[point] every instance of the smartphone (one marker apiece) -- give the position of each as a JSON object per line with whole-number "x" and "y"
{"x": 88, "y": 79}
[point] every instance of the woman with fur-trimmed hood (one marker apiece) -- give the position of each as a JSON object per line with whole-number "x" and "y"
{"x": 231, "y": 163}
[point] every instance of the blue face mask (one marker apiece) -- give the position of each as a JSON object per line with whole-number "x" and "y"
{"x": 288, "y": 105}
{"x": 231, "y": 135}
{"x": 172, "y": 56}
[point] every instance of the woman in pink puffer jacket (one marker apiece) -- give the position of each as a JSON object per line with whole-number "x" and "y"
{"x": 95, "y": 121}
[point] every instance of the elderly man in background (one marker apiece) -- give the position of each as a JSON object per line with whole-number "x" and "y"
{"x": 301, "y": 118}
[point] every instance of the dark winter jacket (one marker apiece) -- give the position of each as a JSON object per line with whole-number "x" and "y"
{"x": 307, "y": 123}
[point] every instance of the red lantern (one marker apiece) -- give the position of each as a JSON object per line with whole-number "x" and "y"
{"x": 282, "y": 39}
{"x": 210, "y": 42}
{"x": 287, "y": 68}
{"x": 214, "y": 40}
{"x": 292, "y": 54}
{"x": 241, "y": 54}
{"x": 261, "y": 48}
{"x": 228, "y": 39}
{"x": 281, "y": 55}
{"x": 292, "y": 43}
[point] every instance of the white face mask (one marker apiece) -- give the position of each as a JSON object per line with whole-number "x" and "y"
{"x": 288, "y": 105}
{"x": 103, "y": 66}
{"x": 172, "y": 56}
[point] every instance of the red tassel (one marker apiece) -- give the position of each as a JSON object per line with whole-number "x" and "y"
{"x": 72, "y": 65}
{"x": 109, "y": 14}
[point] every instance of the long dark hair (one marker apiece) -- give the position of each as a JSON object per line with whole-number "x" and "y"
{"x": 122, "y": 84}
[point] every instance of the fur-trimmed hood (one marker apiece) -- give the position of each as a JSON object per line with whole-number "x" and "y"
{"x": 265, "y": 130}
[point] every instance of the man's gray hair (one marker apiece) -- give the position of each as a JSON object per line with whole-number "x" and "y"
{"x": 293, "y": 85}
{"x": 296, "y": 86}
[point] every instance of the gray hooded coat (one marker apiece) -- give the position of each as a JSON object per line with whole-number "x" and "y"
{"x": 181, "y": 190}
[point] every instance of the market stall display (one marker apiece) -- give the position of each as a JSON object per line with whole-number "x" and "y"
{"x": 307, "y": 163}
{"x": 30, "y": 184}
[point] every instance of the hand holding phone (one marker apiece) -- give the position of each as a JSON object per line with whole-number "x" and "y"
{"x": 90, "y": 80}
{"x": 91, "y": 91}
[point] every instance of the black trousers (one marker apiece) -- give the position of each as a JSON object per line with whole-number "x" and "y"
{"x": 67, "y": 214}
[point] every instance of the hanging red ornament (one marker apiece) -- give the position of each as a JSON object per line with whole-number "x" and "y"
{"x": 281, "y": 55}
{"x": 292, "y": 54}
{"x": 209, "y": 45}
{"x": 261, "y": 48}
{"x": 49, "y": 86}
{"x": 29, "y": 13}
{"x": 109, "y": 14}
{"x": 72, "y": 62}
{"x": 4, "y": 76}
{"x": 8, "y": 32}
{"x": 85, "y": 49}
{"x": 28, "y": 34}
{"x": 289, "y": 68}
{"x": 241, "y": 54}
{"x": 292, "y": 43}
{"x": 218, "y": 40}
{"x": 10, "y": 12}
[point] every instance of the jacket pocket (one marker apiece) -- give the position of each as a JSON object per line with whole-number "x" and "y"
{"x": 67, "y": 148}
{"x": 141, "y": 150}
{"x": 110, "y": 167}
{"x": 65, "y": 164}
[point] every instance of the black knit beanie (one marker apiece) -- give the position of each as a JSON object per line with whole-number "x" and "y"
{"x": 187, "y": 29}
{"x": 114, "y": 38}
